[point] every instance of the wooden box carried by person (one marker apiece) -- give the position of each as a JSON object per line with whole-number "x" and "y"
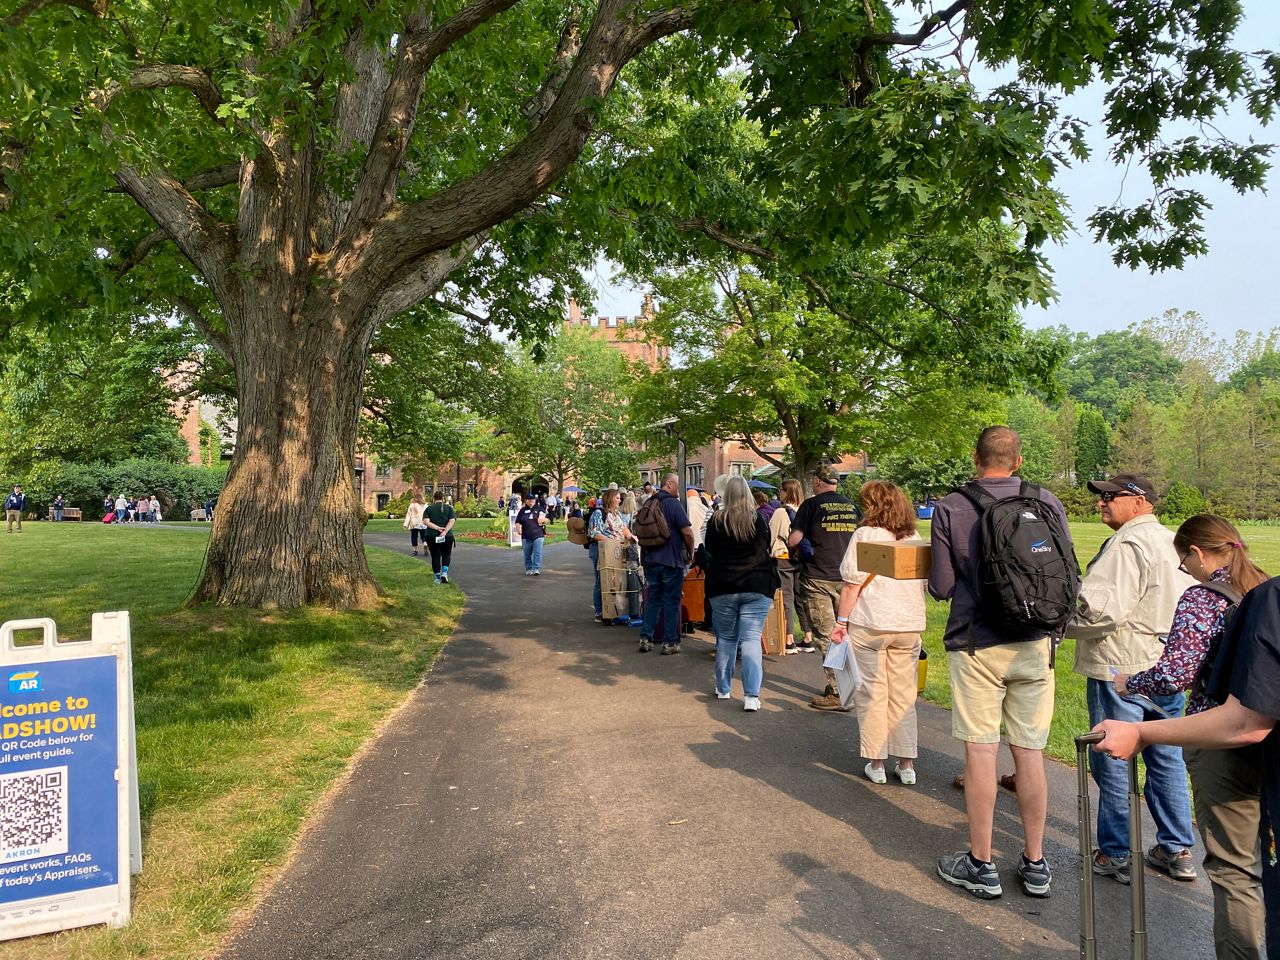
{"x": 895, "y": 560}
{"x": 775, "y": 633}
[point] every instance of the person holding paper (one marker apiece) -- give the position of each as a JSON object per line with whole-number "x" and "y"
{"x": 439, "y": 519}
{"x": 883, "y": 622}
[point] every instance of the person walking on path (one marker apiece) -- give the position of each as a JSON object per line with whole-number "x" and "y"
{"x": 1247, "y": 717}
{"x": 1226, "y": 784}
{"x": 664, "y": 567}
{"x": 741, "y": 580}
{"x": 827, "y": 521}
{"x": 883, "y": 621}
{"x": 122, "y": 508}
{"x": 533, "y": 528}
{"x": 439, "y": 519}
{"x": 999, "y": 676}
{"x": 780, "y": 530}
{"x": 413, "y": 522}
{"x": 1127, "y": 602}
{"x": 14, "y": 504}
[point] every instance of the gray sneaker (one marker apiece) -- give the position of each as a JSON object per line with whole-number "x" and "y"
{"x": 645, "y": 645}
{"x": 1105, "y": 866}
{"x": 980, "y": 879}
{"x": 1036, "y": 877}
{"x": 1177, "y": 865}
{"x": 670, "y": 648}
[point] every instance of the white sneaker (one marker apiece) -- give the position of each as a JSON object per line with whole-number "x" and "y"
{"x": 722, "y": 696}
{"x": 875, "y": 775}
{"x": 908, "y": 776}
{"x": 751, "y": 704}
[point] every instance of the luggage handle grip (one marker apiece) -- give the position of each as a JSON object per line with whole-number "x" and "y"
{"x": 1094, "y": 736}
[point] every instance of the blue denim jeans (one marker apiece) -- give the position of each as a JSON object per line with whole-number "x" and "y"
{"x": 594, "y": 550}
{"x": 1166, "y": 789}
{"x": 666, "y": 586}
{"x": 533, "y": 555}
{"x": 739, "y": 622}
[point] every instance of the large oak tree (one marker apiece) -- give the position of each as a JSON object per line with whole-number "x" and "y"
{"x": 288, "y": 177}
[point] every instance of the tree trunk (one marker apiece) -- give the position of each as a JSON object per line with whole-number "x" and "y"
{"x": 289, "y": 525}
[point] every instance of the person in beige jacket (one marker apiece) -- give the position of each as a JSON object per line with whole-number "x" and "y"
{"x": 1126, "y": 606}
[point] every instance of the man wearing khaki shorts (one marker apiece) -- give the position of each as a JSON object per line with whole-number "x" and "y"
{"x": 998, "y": 677}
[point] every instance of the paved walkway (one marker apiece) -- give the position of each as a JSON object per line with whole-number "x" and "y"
{"x": 549, "y": 792}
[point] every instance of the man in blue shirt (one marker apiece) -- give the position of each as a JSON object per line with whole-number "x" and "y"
{"x": 533, "y": 528}
{"x": 664, "y": 569}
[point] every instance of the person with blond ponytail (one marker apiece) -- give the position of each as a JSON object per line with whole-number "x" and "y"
{"x": 1226, "y": 783}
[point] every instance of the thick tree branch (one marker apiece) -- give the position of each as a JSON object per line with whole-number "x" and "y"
{"x": 222, "y": 176}
{"x": 931, "y": 25}
{"x": 421, "y": 280}
{"x": 567, "y": 49}
{"x": 419, "y": 48}
{"x": 517, "y": 178}
{"x": 198, "y": 235}
{"x": 156, "y": 76}
{"x": 97, "y": 7}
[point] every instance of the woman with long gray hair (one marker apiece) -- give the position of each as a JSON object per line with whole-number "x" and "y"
{"x": 741, "y": 580}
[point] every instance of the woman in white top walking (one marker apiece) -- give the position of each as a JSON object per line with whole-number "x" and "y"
{"x": 883, "y": 620}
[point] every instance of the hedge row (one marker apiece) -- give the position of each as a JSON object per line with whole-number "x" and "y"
{"x": 180, "y": 487}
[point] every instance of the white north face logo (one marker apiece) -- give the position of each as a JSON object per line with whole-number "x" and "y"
{"x": 1028, "y": 515}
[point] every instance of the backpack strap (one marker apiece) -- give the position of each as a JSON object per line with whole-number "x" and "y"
{"x": 977, "y": 495}
{"x": 1225, "y": 590}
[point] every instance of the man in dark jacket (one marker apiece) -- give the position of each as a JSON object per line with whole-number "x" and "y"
{"x": 14, "y": 504}
{"x": 997, "y": 675}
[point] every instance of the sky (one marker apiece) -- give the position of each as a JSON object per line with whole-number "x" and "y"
{"x": 1232, "y": 287}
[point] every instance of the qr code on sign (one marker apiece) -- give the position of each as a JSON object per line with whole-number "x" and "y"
{"x": 33, "y": 814}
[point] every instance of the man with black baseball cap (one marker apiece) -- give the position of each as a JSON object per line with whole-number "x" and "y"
{"x": 1127, "y": 600}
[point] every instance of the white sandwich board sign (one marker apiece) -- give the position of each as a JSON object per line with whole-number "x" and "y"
{"x": 70, "y": 835}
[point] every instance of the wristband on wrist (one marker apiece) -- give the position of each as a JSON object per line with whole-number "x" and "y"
{"x": 842, "y": 620}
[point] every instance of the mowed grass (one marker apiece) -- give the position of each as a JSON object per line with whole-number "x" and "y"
{"x": 469, "y": 530}
{"x": 1071, "y": 714}
{"x": 244, "y": 719}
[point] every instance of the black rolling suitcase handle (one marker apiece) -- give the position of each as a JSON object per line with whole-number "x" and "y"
{"x": 1137, "y": 869}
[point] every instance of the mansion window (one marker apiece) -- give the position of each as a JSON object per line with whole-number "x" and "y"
{"x": 693, "y": 475}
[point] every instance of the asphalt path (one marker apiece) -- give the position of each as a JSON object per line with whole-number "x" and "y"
{"x": 550, "y": 792}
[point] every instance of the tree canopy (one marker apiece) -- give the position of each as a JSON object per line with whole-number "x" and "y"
{"x": 290, "y": 178}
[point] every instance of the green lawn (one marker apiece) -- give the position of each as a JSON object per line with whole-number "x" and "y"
{"x": 468, "y": 531}
{"x": 243, "y": 719}
{"x": 1071, "y": 716}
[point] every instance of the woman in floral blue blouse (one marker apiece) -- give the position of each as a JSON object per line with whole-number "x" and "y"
{"x": 1226, "y": 783}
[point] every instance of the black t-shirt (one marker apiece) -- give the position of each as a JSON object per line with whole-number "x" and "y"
{"x": 527, "y": 521}
{"x": 740, "y": 566}
{"x": 828, "y": 520}
{"x": 1255, "y": 682}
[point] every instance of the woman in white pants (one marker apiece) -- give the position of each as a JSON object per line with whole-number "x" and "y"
{"x": 883, "y": 620}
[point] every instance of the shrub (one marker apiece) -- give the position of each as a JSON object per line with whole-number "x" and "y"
{"x": 1180, "y": 501}
{"x": 472, "y": 507}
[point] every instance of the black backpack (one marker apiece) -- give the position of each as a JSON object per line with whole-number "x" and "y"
{"x": 1027, "y": 575}
{"x": 1213, "y": 679}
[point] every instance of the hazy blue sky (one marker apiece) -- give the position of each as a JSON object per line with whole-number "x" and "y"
{"x": 1232, "y": 287}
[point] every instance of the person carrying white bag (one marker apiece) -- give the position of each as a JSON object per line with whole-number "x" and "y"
{"x": 883, "y": 622}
